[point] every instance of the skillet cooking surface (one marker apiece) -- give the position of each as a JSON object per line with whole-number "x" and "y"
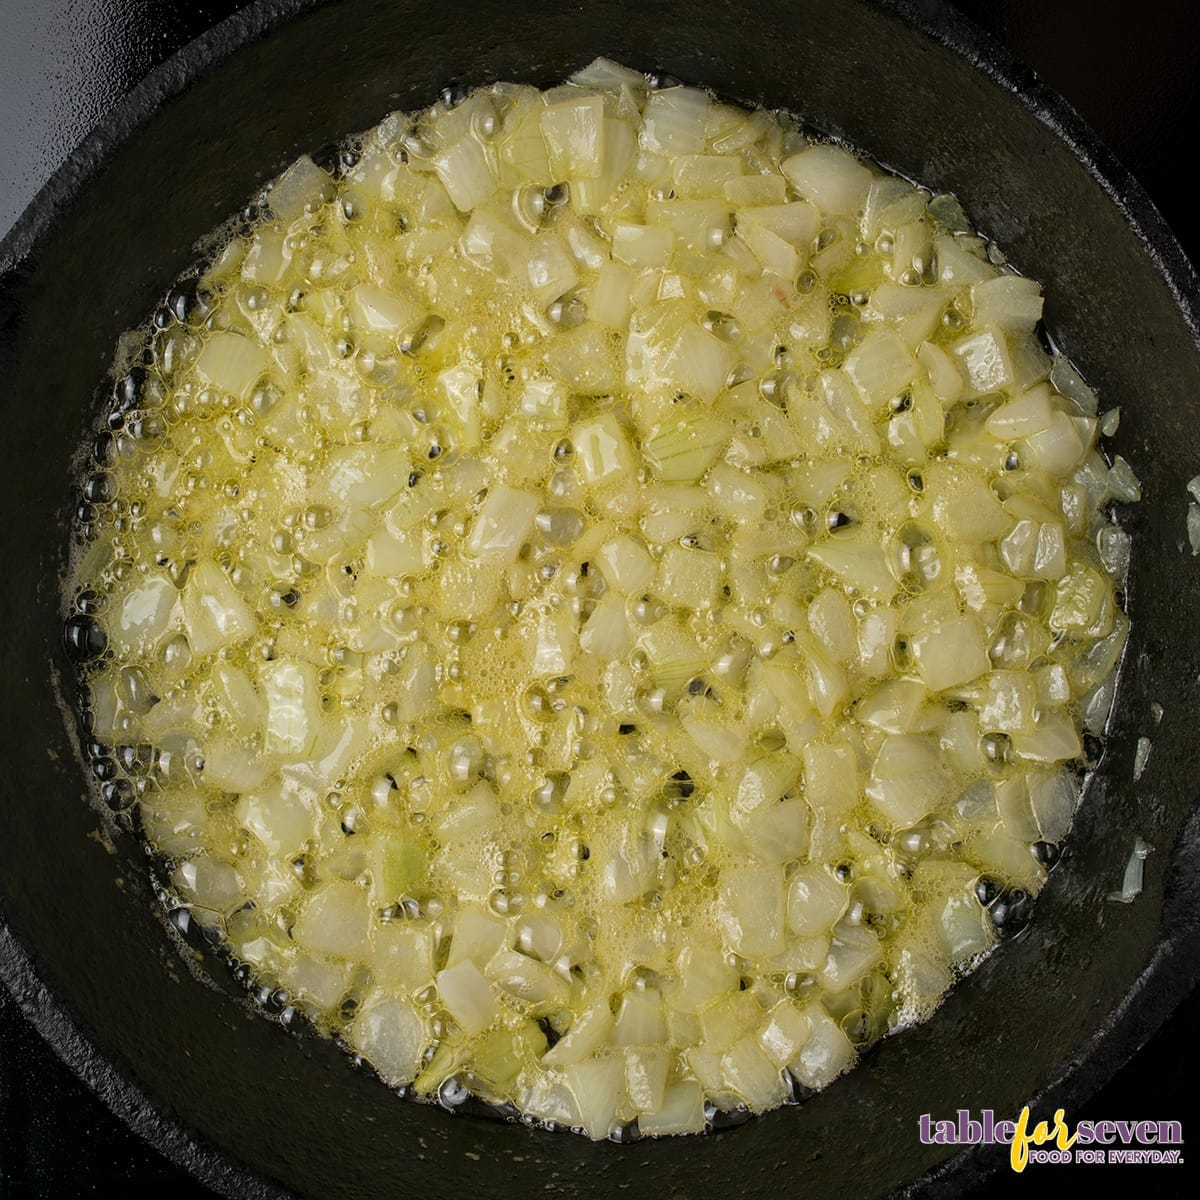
{"x": 1127, "y": 1106}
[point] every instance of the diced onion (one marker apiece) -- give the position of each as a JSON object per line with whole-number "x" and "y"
{"x": 595, "y": 597}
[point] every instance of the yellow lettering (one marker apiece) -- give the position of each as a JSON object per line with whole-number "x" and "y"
{"x": 1019, "y": 1154}
{"x": 1065, "y": 1141}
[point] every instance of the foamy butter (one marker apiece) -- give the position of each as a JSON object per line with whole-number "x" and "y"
{"x": 595, "y": 599}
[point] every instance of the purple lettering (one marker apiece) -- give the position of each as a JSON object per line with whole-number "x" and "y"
{"x": 923, "y": 1126}
{"x": 970, "y": 1133}
{"x": 1005, "y": 1131}
{"x": 1084, "y": 1134}
{"x": 1104, "y": 1132}
{"x": 1170, "y": 1132}
{"x": 1147, "y": 1133}
{"x": 944, "y": 1132}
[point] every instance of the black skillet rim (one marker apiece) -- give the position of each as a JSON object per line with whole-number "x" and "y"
{"x": 1174, "y": 969}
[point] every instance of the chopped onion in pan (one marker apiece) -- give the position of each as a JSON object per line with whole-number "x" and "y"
{"x": 598, "y": 601}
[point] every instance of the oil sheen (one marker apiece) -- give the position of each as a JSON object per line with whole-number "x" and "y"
{"x": 597, "y": 599}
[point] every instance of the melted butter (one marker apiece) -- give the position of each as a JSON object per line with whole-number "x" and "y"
{"x": 389, "y": 702}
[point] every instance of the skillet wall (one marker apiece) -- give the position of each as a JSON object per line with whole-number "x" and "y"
{"x": 292, "y": 1108}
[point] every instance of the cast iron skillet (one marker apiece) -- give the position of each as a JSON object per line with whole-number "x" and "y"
{"x": 257, "y": 1113}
